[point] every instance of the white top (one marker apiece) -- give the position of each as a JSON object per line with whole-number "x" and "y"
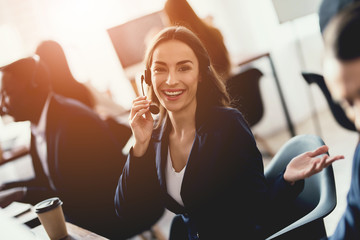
{"x": 40, "y": 138}
{"x": 174, "y": 180}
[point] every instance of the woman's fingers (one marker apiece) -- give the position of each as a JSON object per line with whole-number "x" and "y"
{"x": 139, "y": 107}
{"x": 321, "y": 163}
{"x": 320, "y": 150}
{"x": 139, "y": 113}
{"x": 324, "y": 161}
{"x": 138, "y": 104}
{"x": 330, "y": 160}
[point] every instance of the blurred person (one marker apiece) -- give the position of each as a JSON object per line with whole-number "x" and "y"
{"x": 179, "y": 12}
{"x": 64, "y": 83}
{"x": 199, "y": 158}
{"x": 74, "y": 155}
{"x": 342, "y": 75}
{"x": 328, "y": 9}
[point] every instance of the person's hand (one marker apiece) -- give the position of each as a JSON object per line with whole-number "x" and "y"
{"x": 141, "y": 123}
{"x": 308, "y": 164}
{"x": 11, "y": 195}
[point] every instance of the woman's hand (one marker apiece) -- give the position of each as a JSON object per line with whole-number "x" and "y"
{"x": 141, "y": 123}
{"x": 308, "y": 164}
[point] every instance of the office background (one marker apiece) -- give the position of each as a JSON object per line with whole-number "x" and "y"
{"x": 248, "y": 27}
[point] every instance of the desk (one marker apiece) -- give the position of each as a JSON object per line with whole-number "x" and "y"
{"x": 21, "y": 223}
{"x": 74, "y": 233}
{"x": 249, "y": 59}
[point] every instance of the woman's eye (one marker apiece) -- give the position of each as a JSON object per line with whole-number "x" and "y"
{"x": 184, "y": 68}
{"x": 159, "y": 69}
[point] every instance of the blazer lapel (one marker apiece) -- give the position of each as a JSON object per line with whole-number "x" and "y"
{"x": 161, "y": 149}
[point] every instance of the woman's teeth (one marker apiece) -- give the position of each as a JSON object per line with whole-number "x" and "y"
{"x": 173, "y": 93}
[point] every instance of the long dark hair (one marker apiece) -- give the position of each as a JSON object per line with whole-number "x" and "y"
{"x": 341, "y": 35}
{"x": 62, "y": 80}
{"x": 211, "y": 89}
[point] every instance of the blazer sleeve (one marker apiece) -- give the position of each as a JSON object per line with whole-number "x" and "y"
{"x": 138, "y": 198}
{"x": 267, "y": 198}
{"x": 349, "y": 224}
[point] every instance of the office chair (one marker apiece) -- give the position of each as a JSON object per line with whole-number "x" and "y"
{"x": 335, "y": 108}
{"x": 244, "y": 91}
{"x": 317, "y": 199}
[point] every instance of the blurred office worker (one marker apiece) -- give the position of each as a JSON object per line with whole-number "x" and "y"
{"x": 74, "y": 155}
{"x": 342, "y": 76}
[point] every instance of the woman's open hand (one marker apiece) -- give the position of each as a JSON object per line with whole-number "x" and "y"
{"x": 308, "y": 164}
{"x": 141, "y": 123}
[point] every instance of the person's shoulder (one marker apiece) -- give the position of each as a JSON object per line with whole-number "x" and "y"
{"x": 69, "y": 103}
{"x": 69, "y": 108}
{"x": 225, "y": 117}
{"x": 227, "y": 113}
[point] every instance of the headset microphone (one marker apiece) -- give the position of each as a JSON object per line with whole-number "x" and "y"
{"x": 154, "y": 109}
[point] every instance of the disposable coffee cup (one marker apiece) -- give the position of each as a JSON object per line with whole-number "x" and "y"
{"x": 51, "y": 216}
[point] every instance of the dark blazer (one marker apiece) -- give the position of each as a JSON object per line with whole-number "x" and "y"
{"x": 84, "y": 162}
{"x": 224, "y": 190}
{"x": 349, "y": 224}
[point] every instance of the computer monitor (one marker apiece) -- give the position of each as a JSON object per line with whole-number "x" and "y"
{"x": 129, "y": 39}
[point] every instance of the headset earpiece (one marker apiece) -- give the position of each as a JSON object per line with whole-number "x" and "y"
{"x": 147, "y": 74}
{"x": 154, "y": 109}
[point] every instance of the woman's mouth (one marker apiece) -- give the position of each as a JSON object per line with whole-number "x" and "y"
{"x": 173, "y": 94}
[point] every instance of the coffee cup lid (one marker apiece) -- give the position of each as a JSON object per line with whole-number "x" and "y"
{"x": 47, "y": 205}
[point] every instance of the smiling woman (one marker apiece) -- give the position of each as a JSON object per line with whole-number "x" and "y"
{"x": 201, "y": 153}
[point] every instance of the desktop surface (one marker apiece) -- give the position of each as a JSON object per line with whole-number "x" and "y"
{"x": 13, "y": 229}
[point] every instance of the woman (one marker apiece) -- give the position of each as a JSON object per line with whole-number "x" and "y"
{"x": 201, "y": 159}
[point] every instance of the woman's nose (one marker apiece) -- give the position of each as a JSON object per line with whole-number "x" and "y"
{"x": 171, "y": 78}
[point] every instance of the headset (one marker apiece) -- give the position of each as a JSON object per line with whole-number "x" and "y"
{"x": 154, "y": 109}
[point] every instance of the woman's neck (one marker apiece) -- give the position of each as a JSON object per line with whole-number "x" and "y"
{"x": 182, "y": 122}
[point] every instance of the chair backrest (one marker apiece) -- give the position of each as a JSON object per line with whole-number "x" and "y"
{"x": 318, "y": 197}
{"x": 244, "y": 90}
{"x": 335, "y": 108}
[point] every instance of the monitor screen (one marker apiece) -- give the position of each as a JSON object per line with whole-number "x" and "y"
{"x": 129, "y": 39}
